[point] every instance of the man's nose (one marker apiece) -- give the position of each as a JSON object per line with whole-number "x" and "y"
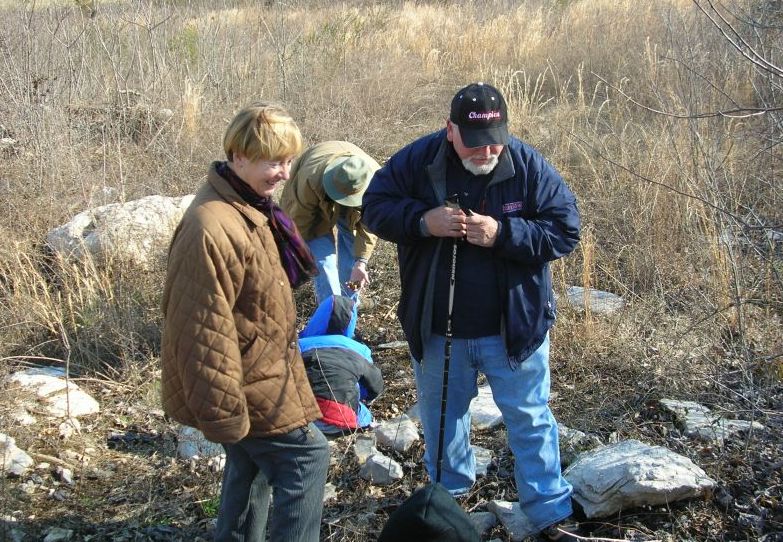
{"x": 483, "y": 151}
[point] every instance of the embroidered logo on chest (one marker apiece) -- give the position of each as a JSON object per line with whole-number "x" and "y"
{"x": 511, "y": 207}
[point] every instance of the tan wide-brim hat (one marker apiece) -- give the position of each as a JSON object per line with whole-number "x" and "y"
{"x": 346, "y": 178}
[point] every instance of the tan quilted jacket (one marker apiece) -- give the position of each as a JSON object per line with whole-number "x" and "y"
{"x": 306, "y": 202}
{"x": 231, "y": 361}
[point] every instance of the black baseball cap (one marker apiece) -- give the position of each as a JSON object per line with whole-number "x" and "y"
{"x": 481, "y": 114}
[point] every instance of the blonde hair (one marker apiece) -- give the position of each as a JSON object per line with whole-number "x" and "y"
{"x": 262, "y": 131}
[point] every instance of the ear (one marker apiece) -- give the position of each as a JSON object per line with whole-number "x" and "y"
{"x": 240, "y": 159}
{"x": 449, "y": 130}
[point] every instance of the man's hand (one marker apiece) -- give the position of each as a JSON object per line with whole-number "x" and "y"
{"x": 481, "y": 230}
{"x": 359, "y": 276}
{"x": 446, "y": 222}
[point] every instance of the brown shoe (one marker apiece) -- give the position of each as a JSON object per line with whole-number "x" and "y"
{"x": 564, "y": 531}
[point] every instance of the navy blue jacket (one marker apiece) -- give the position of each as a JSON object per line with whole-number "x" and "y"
{"x": 539, "y": 222}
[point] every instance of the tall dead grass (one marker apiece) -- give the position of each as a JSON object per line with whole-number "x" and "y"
{"x": 132, "y": 102}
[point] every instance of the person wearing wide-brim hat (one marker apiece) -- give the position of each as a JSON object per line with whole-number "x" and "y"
{"x": 323, "y": 197}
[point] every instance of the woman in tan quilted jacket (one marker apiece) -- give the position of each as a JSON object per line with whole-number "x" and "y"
{"x": 231, "y": 364}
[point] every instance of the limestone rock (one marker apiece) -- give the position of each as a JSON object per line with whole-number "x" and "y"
{"x": 573, "y": 443}
{"x": 381, "y": 470}
{"x": 398, "y": 433}
{"x": 138, "y": 231}
{"x": 598, "y": 301}
{"x": 510, "y": 515}
{"x": 484, "y": 412}
{"x": 191, "y": 444}
{"x": 699, "y": 422}
{"x": 15, "y": 460}
{"x": 330, "y": 492}
{"x": 60, "y": 398}
{"x": 364, "y": 447}
{"x": 483, "y": 459}
{"x": 630, "y": 474}
{"x": 58, "y": 534}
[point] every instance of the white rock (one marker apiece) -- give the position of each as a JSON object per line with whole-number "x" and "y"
{"x": 573, "y": 442}
{"x": 191, "y": 443}
{"x": 138, "y": 231}
{"x": 413, "y": 413}
{"x": 59, "y": 397}
{"x": 398, "y": 433}
{"x": 483, "y": 459}
{"x": 330, "y": 492}
{"x": 15, "y": 461}
{"x": 381, "y": 470}
{"x": 38, "y": 377}
{"x": 599, "y": 302}
{"x": 66, "y": 475}
{"x": 58, "y": 534}
{"x": 22, "y": 417}
{"x": 217, "y": 463}
{"x": 69, "y": 427}
{"x": 364, "y": 447}
{"x": 630, "y": 474}
{"x": 484, "y": 412}
{"x": 699, "y": 422}
{"x": 7, "y": 143}
{"x": 510, "y": 515}
{"x": 74, "y": 403}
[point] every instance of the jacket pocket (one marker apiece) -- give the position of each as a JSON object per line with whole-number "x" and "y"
{"x": 248, "y": 346}
{"x": 262, "y": 361}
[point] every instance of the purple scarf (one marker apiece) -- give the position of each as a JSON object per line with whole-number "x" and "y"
{"x": 296, "y": 257}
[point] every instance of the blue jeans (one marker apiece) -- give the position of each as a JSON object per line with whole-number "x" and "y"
{"x": 293, "y": 467}
{"x": 521, "y": 394}
{"x": 334, "y": 258}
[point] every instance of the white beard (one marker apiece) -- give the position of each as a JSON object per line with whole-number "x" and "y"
{"x": 482, "y": 169}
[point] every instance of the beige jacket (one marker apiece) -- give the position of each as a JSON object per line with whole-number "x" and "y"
{"x": 230, "y": 357}
{"x": 306, "y": 202}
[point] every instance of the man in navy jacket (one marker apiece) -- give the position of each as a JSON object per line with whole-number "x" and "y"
{"x": 515, "y": 215}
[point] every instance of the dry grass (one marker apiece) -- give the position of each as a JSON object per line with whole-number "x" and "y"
{"x": 132, "y": 101}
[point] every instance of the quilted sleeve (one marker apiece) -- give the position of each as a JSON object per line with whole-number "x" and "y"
{"x": 204, "y": 277}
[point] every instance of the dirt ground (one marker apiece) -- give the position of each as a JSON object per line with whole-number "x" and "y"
{"x": 128, "y": 484}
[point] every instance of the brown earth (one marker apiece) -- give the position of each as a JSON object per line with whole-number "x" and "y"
{"x": 131, "y": 487}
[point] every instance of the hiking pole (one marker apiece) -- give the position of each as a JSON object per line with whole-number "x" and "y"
{"x": 452, "y": 202}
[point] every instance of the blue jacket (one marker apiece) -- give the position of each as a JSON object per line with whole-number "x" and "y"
{"x": 538, "y": 218}
{"x": 340, "y": 369}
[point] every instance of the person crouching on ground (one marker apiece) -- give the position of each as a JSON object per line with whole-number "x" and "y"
{"x": 340, "y": 368}
{"x": 515, "y": 215}
{"x": 231, "y": 366}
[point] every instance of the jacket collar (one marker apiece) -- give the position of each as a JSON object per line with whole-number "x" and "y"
{"x": 436, "y": 170}
{"x": 225, "y": 191}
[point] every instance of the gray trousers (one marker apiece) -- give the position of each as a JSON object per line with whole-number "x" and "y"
{"x": 289, "y": 469}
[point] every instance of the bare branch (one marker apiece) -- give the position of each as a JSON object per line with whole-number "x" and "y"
{"x": 737, "y": 113}
{"x": 757, "y": 59}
